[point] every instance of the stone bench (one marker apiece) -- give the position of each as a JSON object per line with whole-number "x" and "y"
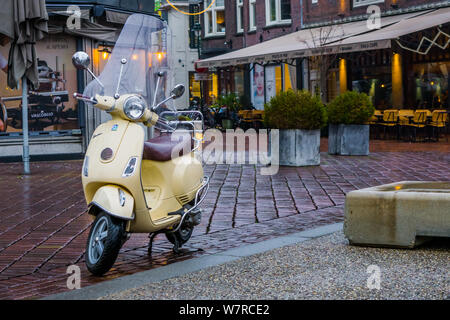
{"x": 401, "y": 214}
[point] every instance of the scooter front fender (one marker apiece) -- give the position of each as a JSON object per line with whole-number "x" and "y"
{"x": 114, "y": 200}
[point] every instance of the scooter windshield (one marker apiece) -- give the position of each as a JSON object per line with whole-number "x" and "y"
{"x": 144, "y": 45}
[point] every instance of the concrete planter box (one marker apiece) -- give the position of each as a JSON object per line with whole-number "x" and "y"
{"x": 299, "y": 147}
{"x": 401, "y": 214}
{"x": 348, "y": 139}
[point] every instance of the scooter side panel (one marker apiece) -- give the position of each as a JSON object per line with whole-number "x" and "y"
{"x": 170, "y": 184}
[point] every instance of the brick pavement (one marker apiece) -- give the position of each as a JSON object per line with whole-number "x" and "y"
{"x": 43, "y": 225}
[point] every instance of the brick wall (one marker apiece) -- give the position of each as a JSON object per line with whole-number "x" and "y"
{"x": 322, "y": 11}
{"x": 325, "y": 10}
{"x": 247, "y": 38}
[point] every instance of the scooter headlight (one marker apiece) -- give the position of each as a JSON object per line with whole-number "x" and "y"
{"x": 134, "y": 107}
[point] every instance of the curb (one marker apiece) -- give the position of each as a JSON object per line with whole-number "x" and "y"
{"x": 192, "y": 265}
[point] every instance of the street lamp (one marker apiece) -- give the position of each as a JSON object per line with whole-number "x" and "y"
{"x": 197, "y": 28}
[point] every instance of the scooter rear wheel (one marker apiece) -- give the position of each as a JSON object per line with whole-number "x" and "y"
{"x": 103, "y": 244}
{"x": 182, "y": 235}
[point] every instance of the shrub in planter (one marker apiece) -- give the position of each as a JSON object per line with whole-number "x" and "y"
{"x": 348, "y": 115}
{"x": 227, "y": 106}
{"x": 299, "y": 116}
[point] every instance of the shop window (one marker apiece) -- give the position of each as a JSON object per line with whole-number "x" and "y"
{"x": 257, "y": 86}
{"x": 210, "y": 87}
{"x": 215, "y": 18}
{"x": 213, "y": 87}
{"x": 278, "y": 11}
{"x": 431, "y": 85}
{"x": 240, "y": 16}
{"x": 252, "y": 15}
{"x": 273, "y": 81}
{"x": 239, "y": 82}
{"x": 194, "y": 86}
{"x": 268, "y": 81}
{"x": 51, "y": 105}
{"x": 377, "y": 84}
{"x": 288, "y": 81}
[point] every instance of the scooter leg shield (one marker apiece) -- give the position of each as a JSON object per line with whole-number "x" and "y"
{"x": 115, "y": 201}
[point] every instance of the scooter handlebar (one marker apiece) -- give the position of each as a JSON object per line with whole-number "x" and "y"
{"x": 81, "y": 97}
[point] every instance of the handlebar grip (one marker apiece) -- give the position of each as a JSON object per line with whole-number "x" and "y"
{"x": 79, "y": 96}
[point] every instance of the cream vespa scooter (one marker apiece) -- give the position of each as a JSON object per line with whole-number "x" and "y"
{"x": 132, "y": 185}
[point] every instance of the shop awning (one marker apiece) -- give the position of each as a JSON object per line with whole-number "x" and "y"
{"x": 116, "y": 16}
{"x": 89, "y": 30}
{"x": 404, "y": 27}
{"x": 348, "y": 37}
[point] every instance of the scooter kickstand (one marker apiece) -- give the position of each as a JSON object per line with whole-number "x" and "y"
{"x": 150, "y": 243}
{"x": 176, "y": 246}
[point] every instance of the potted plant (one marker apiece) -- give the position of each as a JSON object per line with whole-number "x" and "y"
{"x": 227, "y": 105}
{"x": 299, "y": 116}
{"x": 348, "y": 132}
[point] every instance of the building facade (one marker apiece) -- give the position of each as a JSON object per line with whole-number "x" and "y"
{"x": 184, "y": 48}
{"x": 400, "y": 74}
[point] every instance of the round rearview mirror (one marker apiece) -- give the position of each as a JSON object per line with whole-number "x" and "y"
{"x": 177, "y": 91}
{"x": 81, "y": 60}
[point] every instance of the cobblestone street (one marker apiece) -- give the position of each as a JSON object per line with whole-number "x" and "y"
{"x": 44, "y": 227}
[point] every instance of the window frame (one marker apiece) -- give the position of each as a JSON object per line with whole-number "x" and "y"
{"x": 214, "y": 8}
{"x": 239, "y": 22}
{"x": 277, "y": 14}
{"x": 251, "y": 19}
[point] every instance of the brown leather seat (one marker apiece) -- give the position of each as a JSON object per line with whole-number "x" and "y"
{"x": 161, "y": 148}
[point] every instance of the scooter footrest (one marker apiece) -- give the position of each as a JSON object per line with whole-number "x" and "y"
{"x": 178, "y": 212}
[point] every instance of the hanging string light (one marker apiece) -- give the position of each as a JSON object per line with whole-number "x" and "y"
{"x": 432, "y": 42}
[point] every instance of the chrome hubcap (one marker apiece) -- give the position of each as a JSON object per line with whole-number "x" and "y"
{"x": 97, "y": 241}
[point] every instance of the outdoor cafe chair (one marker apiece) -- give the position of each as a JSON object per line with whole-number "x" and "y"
{"x": 390, "y": 120}
{"x": 404, "y": 119}
{"x": 246, "y": 118}
{"x": 257, "y": 117}
{"x": 438, "y": 121}
{"x": 374, "y": 122}
{"x": 419, "y": 121}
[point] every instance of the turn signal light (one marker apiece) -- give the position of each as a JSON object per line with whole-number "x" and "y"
{"x": 131, "y": 166}
{"x": 86, "y": 166}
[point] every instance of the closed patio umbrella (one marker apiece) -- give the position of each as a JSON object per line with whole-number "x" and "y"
{"x": 29, "y": 22}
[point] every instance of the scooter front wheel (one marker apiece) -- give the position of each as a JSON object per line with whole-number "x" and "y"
{"x": 103, "y": 244}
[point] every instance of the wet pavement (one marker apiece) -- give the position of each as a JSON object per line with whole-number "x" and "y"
{"x": 43, "y": 225}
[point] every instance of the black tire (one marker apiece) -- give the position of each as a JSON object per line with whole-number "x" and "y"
{"x": 182, "y": 235}
{"x": 100, "y": 263}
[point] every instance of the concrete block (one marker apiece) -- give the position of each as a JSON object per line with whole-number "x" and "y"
{"x": 398, "y": 215}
